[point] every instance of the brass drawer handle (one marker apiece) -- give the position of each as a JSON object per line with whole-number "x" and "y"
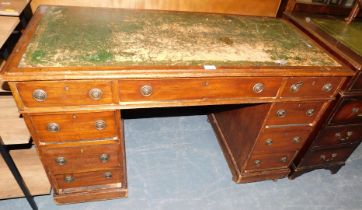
{"x": 95, "y": 94}
{"x": 60, "y": 161}
{"x": 355, "y": 110}
{"x": 343, "y": 139}
{"x": 104, "y": 158}
{"x": 107, "y": 175}
{"x": 310, "y": 112}
{"x": 257, "y": 162}
{"x": 100, "y": 125}
{"x": 296, "y": 139}
{"x": 328, "y": 159}
{"x": 269, "y": 142}
{"x": 258, "y": 88}
{"x": 40, "y": 95}
{"x": 53, "y": 127}
{"x": 281, "y": 113}
{"x": 284, "y": 159}
{"x": 146, "y": 90}
{"x": 296, "y": 87}
{"x": 327, "y": 87}
{"x": 68, "y": 179}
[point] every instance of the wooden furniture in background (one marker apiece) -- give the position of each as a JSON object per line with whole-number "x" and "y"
{"x": 340, "y": 131}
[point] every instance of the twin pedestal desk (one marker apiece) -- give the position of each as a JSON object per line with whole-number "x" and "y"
{"x": 75, "y": 68}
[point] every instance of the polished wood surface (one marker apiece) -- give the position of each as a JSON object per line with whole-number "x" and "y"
{"x": 12, "y": 7}
{"x": 240, "y": 7}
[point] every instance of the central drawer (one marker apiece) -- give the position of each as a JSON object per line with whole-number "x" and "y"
{"x": 66, "y": 127}
{"x": 269, "y": 161}
{"x": 197, "y": 89}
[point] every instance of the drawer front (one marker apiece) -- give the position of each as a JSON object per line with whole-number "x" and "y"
{"x": 326, "y": 156}
{"x": 76, "y": 159}
{"x": 339, "y": 135}
{"x": 349, "y": 111}
{"x": 317, "y": 87}
{"x": 357, "y": 84}
{"x": 269, "y": 161}
{"x": 294, "y": 113}
{"x": 65, "y": 93}
{"x": 94, "y": 178}
{"x": 75, "y": 126}
{"x": 279, "y": 140}
{"x": 197, "y": 89}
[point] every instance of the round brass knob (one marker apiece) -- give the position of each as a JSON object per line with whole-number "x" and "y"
{"x": 296, "y": 87}
{"x": 100, "y": 125}
{"x": 284, "y": 159}
{"x": 296, "y": 139}
{"x": 257, "y": 162}
{"x": 339, "y": 137}
{"x": 53, "y": 127}
{"x": 258, "y": 88}
{"x": 60, "y": 160}
{"x": 104, "y": 157}
{"x": 40, "y": 95}
{"x": 310, "y": 112}
{"x": 327, "y": 87}
{"x": 281, "y": 113}
{"x": 68, "y": 178}
{"x": 355, "y": 109}
{"x": 107, "y": 175}
{"x": 95, "y": 94}
{"x": 269, "y": 142}
{"x": 146, "y": 90}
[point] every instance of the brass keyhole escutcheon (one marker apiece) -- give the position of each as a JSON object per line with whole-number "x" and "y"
{"x": 53, "y": 127}
{"x": 107, "y": 175}
{"x": 281, "y": 113}
{"x": 269, "y": 142}
{"x": 104, "y": 158}
{"x": 61, "y": 161}
{"x": 310, "y": 112}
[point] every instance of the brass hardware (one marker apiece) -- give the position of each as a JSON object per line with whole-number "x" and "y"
{"x": 269, "y": 142}
{"x": 281, "y": 113}
{"x": 284, "y": 159}
{"x": 107, "y": 175}
{"x": 60, "y": 161}
{"x": 342, "y": 139}
{"x": 310, "y": 112}
{"x": 104, "y": 157}
{"x": 95, "y": 94}
{"x": 53, "y": 127}
{"x": 68, "y": 178}
{"x": 355, "y": 109}
{"x": 146, "y": 90}
{"x": 296, "y": 139}
{"x": 100, "y": 124}
{"x": 327, "y": 87}
{"x": 325, "y": 158}
{"x": 40, "y": 95}
{"x": 296, "y": 87}
{"x": 257, "y": 162}
{"x": 258, "y": 88}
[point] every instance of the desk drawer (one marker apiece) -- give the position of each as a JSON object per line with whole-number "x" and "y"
{"x": 285, "y": 139}
{"x": 75, "y": 126}
{"x": 269, "y": 161}
{"x": 76, "y": 159}
{"x": 326, "y": 156}
{"x": 294, "y": 113}
{"x": 197, "y": 89}
{"x": 349, "y": 111}
{"x": 89, "y": 179}
{"x": 65, "y": 93}
{"x": 339, "y": 135}
{"x": 312, "y": 87}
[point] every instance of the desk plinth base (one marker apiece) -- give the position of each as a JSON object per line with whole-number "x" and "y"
{"x": 238, "y": 175}
{"x": 95, "y": 195}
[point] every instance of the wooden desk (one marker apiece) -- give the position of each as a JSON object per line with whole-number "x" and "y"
{"x": 340, "y": 131}
{"x": 73, "y": 71}
{"x": 12, "y": 7}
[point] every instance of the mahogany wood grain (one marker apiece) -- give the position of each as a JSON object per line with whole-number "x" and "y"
{"x": 82, "y": 158}
{"x": 295, "y": 113}
{"x": 241, "y": 7}
{"x": 66, "y": 93}
{"x": 338, "y": 136}
{"x": 74, "y": 126}
{"x": 282, "y": 139}
{"x": 349, "y": 110}
{"x": 202, "y": 88}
